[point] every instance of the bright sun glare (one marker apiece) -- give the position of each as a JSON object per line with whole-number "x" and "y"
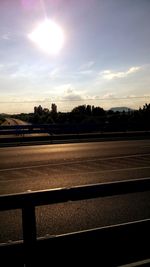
{"x": 48, "y": 36}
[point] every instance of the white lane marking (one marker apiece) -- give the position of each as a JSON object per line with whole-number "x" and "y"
{"x": 82, "y": 173}
{"x": 71, "y": 162}
{"x": 135, "y": 264}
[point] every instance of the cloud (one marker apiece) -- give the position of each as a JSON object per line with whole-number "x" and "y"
{"x": 86, "y": 72}
{"x": 60, "y": 89}
{"x": 109, "y": 95}
{"x": 133, "y": 69}
{"x": 20, "y": 73}
{"x": 16, "y": 70}
{"x": 5, "y": 36}
{"x": 71, "y": 94}
{"x": 54, "y": 73}
{"x": 110, "y": 75}
{"x": 87, "y": 65}
{"x": 85, "y": 69}
{"x": 68, "y": 92}
{"x": 7, "y": 70}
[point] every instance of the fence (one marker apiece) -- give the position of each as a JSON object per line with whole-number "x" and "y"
{"x": 56, "y": 133}
{"x": 127, "y": 242}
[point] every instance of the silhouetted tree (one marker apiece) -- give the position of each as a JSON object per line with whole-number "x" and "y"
{"x": 89, "y": 110}
{"x": 97, "y": 111}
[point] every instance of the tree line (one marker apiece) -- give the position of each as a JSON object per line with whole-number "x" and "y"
{"x": 90, "y": 118}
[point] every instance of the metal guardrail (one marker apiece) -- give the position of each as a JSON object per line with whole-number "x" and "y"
{"x": 40, "y": 138}
{"x": 41, "y": 128}
{"x": 32, "y": 246}
{"x": 58, "y": 128}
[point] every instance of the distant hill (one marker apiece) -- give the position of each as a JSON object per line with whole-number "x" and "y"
{"x": 121, "y": 109}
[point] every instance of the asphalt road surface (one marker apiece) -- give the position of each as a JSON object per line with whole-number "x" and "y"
{"x": 64, "y": 165}
{"x": 13, "y": 121}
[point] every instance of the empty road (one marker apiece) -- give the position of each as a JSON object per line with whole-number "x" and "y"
{"x": 30, "y": 168}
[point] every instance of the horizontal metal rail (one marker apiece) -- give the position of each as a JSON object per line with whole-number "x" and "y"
{"x": 27, "y": 126}
{"x": 28, "y": 201}
{"x": 127, "y": 242}
{"x": 61, "y": 128}
{"x": 58, "y": 195}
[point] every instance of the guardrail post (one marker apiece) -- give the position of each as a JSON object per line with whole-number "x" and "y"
{"x": 29, "y": 233}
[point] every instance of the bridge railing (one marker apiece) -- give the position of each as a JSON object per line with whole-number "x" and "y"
{"x": 57, "y": 128}
{"x": 134, "y": 233}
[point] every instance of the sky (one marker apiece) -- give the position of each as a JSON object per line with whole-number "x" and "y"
{"x": 104, "y": 60}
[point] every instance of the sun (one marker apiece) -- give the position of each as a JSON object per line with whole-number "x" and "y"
{"x": 48, "y": 36}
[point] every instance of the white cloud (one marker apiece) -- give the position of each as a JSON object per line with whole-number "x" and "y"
{"x": 71, "y": 94}
{"x": 60, "y": 89}
{"x": 20, "y": 73}
{"x": 76, "y": 96}
{"x": 110, "y": 75}
{"x": 7, "y": 70}
{"x": 86, "y": 72}
{"x": 16, "y": 70}
{"x": 133, "y": 69}
{"x": 87, "y": 65}
{"x": 109, "y": 95}
{"x": 5, "y": 36}
{"x": 54, "y": 73}
{"x": 86, "y": 68}
{"x": 68, "y": 92}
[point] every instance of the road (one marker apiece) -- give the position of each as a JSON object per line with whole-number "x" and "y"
{"x": 13, "y": 121}
{"x": 64, "y": 165}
